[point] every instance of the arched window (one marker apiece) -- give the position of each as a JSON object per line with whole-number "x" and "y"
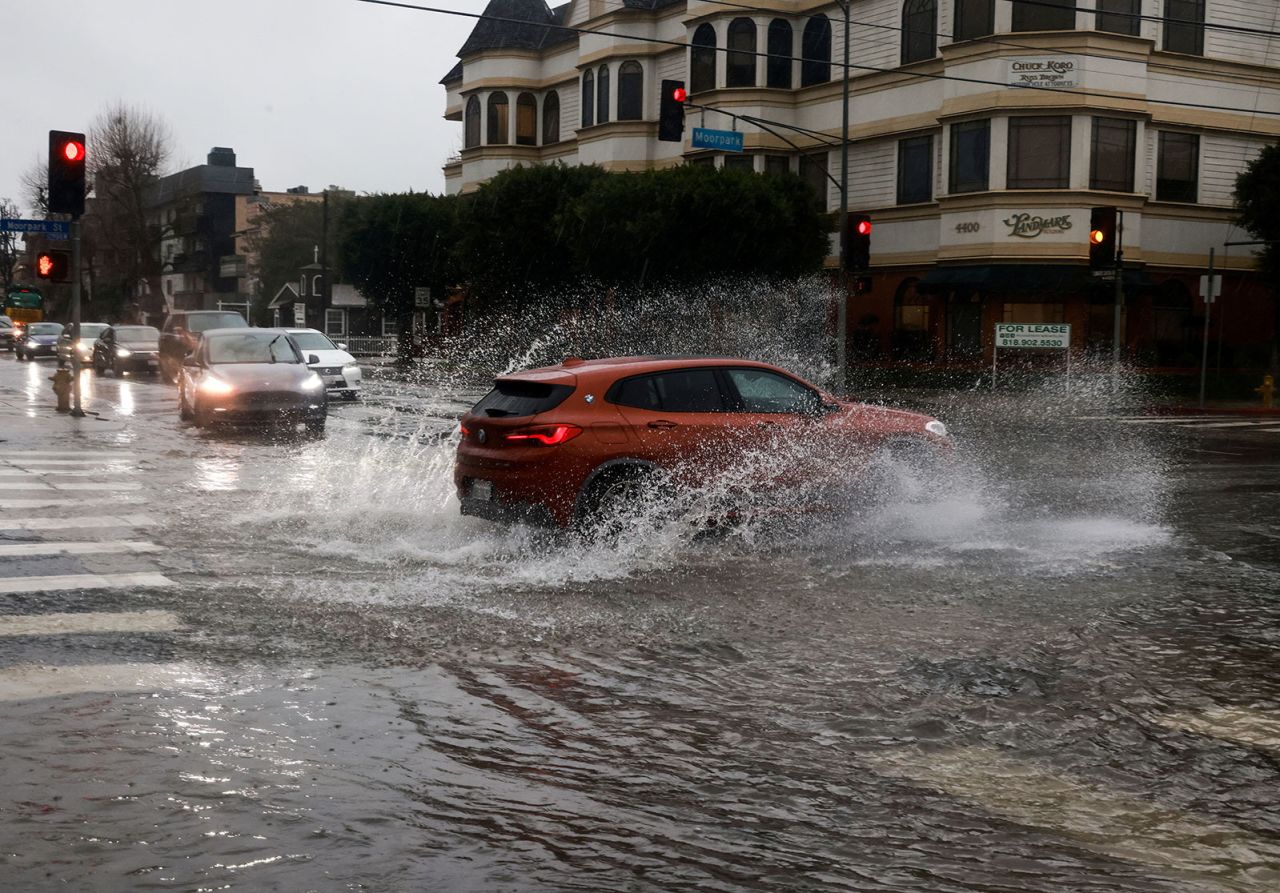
{"x": 780, "y": 49}
{"x": 740, "y": 65}
{"x": 526, "y": 120}
{"x": 588, "y": 99}
{"x": 815, "y": 49}
{"x": 630, "y": 91}
{"x": 471, "y": 129}
{"x": 602, "y": 95}
{"x": 499, "y": 132}
{"x": 551, "y": 119}
{"x": 919, "y": 30}
{"x": 702, "y": 60}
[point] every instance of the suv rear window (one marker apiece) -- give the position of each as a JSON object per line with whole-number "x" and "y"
{"x": 515, "y": 397}
{"x": 204, "y": 321}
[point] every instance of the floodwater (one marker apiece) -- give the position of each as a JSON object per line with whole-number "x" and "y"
{"x": 1049, "y": 667}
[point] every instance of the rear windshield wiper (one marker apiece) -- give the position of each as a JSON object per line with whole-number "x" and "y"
{"x": 494, "y": 412}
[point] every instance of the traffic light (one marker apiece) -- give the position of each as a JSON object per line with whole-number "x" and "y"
{"x": 54, "y": 266}
{"x": 1102, "y": 238}
{"x": 857, "y": 244}
{"x": 66, "y": 172}
{"x": 671, "y": 112}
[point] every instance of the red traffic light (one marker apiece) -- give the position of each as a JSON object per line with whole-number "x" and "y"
{"x": 679, "y": 94}
{"x": 73, "y": 150}
{"x": 864, "y": 227}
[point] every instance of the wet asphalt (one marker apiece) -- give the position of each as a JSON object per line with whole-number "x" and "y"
{"x": 257, "y": 661}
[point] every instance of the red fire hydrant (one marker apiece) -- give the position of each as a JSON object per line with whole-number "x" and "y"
{"x": 1268, "y": 390}
{"x": 62, "y": 387}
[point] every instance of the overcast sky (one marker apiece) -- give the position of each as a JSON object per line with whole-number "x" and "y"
{"x": 307, "y": 92}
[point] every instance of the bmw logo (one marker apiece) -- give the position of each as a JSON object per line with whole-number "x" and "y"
{"x": 481, "y": 436}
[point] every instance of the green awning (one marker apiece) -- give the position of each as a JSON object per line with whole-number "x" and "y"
{"x": 1022, "y": 278}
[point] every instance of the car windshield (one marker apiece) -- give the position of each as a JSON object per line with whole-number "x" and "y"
{"x": 137, "y": 334}
{"x": 252, "y": 347}
{"x": 91, "y": 330}
{"x": 312, "y": 341}
{"x": 45, "y": 328}
{"x": 206, "y": 321}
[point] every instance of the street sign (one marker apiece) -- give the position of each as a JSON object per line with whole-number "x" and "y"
{"x": 54, "y": 229}
{"x": 421, "y": 298}
{"x": 1204, "y": 288}
{"x": 723, "y": 140}
{"x": 1055, "y": 336}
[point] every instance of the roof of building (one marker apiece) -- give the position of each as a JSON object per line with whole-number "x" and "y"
{"x": 505, "y": 28}
{"x": 286, "y": 295}
{"x": 455, "y": 74}
{"x": 204, "y": 178}
{"x": 345, "y": 295}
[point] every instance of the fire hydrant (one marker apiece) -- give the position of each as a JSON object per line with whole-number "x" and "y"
{"x": 62, "y": 387}
{"x": 1268, "y": 390}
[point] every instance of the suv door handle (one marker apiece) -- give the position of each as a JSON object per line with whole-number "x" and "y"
{"x": 662, "y": 423}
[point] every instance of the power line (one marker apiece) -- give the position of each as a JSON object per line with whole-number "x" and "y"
{"x": 679, "y": 44}
{"x": 991, "y": 39}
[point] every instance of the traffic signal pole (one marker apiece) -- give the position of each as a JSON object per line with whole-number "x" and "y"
{"x": 842, "y": 309}
{"x": 1208, "y": 308}
{"x": 1119, "y": 296}
{"x": 76, "y": 410}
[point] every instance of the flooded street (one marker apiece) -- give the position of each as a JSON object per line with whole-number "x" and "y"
{"x": 1052, "y": 668}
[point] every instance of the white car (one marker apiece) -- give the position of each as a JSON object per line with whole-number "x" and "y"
{"x": 330, "y": 361}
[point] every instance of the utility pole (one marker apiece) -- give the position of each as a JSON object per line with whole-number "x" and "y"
{"x": 842, "y": 310}
{"x": 1208, "y": 307}
{"x": 77, "y": 410}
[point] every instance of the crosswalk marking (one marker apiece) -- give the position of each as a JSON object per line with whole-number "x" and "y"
{"x": 95, "y": 547}
{"x": 71, "y": 523}
{"x": 56, "y": 503}
{"x": 1096, "y": 817}
{"x": 52, "y": 485}
{"x": 41, "y": 456}
{"x": 89, "y": 622}
{"x": 1238, "y": 724}
{"x": 60, "y": 472}
{"x": 82, "y": 581}
{"x": 1223, "y": 425}
{"x": 25, "y": 683}
{"x": 1266, "y": 424}
{"x": 65, "y": 463}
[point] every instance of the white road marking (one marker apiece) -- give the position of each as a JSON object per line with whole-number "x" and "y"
{"x": 39, "y": 455}
{"x": 82, "y": 581}
{"x": 89, "y": 622}
{"x": 116, "y": 547}
{"x": 1238, "y": 724}
{"x": 1147, "y": 419}
{"x": 26, "y": 683}
{"x": 102, "y": 485}
{"x": 60, "y": 502}
{"x": 24, "y": 485}
{"x": 59, "y": 463}
{"x": 72, "y": 523}
{"x": 61, "y": 472}
{"x": 1252, "y": 424}
{"x": 1094, "y": 816}
{"x": 1270, "y": 430}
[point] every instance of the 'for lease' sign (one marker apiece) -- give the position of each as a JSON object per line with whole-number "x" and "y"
{"x": 1018, "y": 334}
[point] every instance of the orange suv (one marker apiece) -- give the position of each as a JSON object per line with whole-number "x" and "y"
{"x": 564, "y": 443}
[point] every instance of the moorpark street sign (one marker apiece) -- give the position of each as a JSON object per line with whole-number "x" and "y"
{"x": 54, "y": 229}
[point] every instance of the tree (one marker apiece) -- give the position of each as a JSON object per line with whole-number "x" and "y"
{"x": 285, "y": 238}
{"x": 10, "y": 253}
{"x": 1258, "y": 201}
{"x": 128, "y": 150}
{"x": 391, "y": 244}
{"x": 35, "y": 187}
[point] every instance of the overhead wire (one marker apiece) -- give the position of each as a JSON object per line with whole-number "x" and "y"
{"x": 680, "y": 44}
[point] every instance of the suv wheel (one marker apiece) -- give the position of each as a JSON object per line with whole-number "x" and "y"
{"x": 624, "y": 498}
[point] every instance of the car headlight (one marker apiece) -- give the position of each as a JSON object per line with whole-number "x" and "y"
{"x": 312, "y": 382}
{"x": 123, "y": 352}
{"x": 215, "y": 386}
{"x": 350, "y": 367}
{"x": 84, "y": 345}
{"x": 936, "y": 428}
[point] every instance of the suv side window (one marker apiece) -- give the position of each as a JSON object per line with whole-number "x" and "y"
{"x": 760, "y": 390}
{"x": 681, "y": 390}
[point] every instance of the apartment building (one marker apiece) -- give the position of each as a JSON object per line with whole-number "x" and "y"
{"x": 981, "y": 134}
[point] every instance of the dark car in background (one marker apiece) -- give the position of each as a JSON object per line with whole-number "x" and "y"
{"x": 250, "y": 376}
{"x": 6, "y": 333}
{"x": 124, "y": 349}
{"x": 182, "y": 331}
{"x": 39, "y": 339}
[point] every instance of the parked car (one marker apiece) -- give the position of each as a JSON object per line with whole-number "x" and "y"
{"x": 89, "y": 332}
{"x": 40, "y": 339}
{"x": 250, "y": 376}
{"x": 126, "y": 348}
{"x": 182, "y": 330}
{"x": 580, "y": 439}
{"x": 6, "y": 333}
{"x": 330, "y": 361}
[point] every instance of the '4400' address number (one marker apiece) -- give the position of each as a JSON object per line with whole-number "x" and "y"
{"x": 972, "y": 226}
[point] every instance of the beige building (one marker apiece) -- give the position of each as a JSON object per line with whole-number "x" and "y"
{"x": 981, "y": 134}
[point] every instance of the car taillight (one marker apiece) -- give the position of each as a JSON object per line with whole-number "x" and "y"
{"x": 544, "y": 435}
{"x": 464, "y": 431}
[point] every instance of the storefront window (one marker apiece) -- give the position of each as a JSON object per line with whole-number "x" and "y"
{"x": 1033, "y": 313}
